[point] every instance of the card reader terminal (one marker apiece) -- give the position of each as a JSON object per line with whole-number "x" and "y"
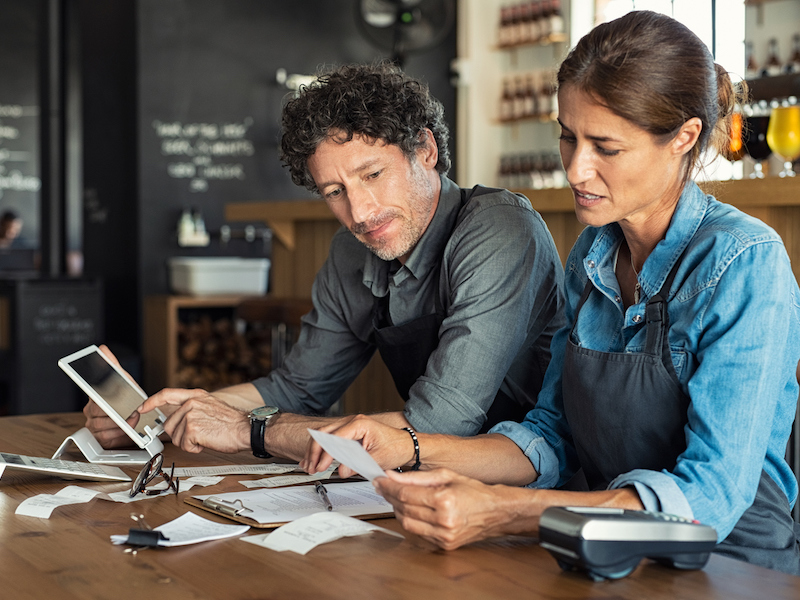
{"x": 609, "y": 543}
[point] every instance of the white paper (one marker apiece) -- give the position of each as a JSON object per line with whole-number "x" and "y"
{"x": 284, "y": 480}
{"x": 262, "y": 469}
{"x": 2, "y": 468}
{"x": 305, "y": 534}
{"x": 43, "y": 505}
{"x": 282, "y": 505}
{"x": 348, "y": 452}
{"x": 190, "y": 528}
{"x": 184, "y": 485}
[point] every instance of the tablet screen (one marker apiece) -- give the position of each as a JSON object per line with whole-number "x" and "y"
{"x": 113, "y": 388}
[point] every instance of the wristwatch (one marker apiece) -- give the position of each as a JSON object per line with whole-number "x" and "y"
{"x": 259, "y": 417}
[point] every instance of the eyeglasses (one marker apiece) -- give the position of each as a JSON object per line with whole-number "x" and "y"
{"x": 149, "y": 472}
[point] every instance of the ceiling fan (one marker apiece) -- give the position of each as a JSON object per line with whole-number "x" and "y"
{"x": 405, "y": 26}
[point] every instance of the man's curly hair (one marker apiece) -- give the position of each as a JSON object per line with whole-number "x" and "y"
{"x": 377, "y": 101}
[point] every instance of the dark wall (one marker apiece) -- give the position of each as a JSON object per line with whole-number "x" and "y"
{"x": 19, "y": 112}
{"x": 110, "y": 194}
{"x": 209, "y": 104}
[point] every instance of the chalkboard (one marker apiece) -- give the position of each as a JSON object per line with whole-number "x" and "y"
{"x": 49, "y": 319}
{"x": 210, "y": 103}
{"x": 19, "y": 114}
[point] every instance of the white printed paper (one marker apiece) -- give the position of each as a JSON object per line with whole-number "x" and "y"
{"x": 303, "y": 535}
{"x": 348, "y": 452}
{"x": 262, "y": 469}
{"x": 2, "y": 468}
{"x": 43, "y": 505}
{"x": 190, "y": 528}
{"x": 184, "y": 485}
{"x": 284, "y": 480}
{"x": 281, "y": 505}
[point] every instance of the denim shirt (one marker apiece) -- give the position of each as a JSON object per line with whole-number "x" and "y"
{"x": 735, "y": 342}
{"x": 499, "y": 278}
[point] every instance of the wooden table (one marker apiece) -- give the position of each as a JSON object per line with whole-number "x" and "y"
{"x": 69, "y": 556}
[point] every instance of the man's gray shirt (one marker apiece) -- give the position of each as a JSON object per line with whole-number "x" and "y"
{"x": 500, "y": 282}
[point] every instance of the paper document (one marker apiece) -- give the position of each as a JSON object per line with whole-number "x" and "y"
{"x": 284, "y": 480}
{"x": 190, "y": 528}
{"x": 348, "y": 452}
{"x": 281, "y": 505}
{"x": 305, "y": 534}
{"x": 43, "y": 505}
{"x": 265, "y": 469}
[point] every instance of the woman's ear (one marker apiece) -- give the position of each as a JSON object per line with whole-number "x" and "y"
{"x": 687, "y": 136}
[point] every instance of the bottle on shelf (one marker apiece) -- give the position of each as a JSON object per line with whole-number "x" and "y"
{"x": 514, "y": 27}
{"x": 557, "y": 27}
{"x": 519, "y": 98}
{"x": 531, "y": 171}
{"x": 793, "y": 65}
{"x": 546, "y": 23}
{"x": 751, "y": 69}
{"x": 530, "y": 110}
{"x": 534, "y": 24}
{"x": 507, "y": 101}
{"x": 773, "y": 65}
{"x": 504, "y": 29}
{"x": 544, "y": 99}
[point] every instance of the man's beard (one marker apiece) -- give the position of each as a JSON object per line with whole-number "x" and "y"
{"x": 400, "y": 245}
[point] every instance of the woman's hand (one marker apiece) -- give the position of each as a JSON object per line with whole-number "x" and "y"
{"x": 389, "y": 446}
{"x": 451, "y": 510}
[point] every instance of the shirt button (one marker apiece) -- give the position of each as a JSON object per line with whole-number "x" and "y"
{"x": 617, "y": 299}
{"x": 590, "y": 264}
{"x": 637, "y": 318}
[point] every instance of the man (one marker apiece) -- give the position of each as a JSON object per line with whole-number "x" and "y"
{"x": 459, "y": 290}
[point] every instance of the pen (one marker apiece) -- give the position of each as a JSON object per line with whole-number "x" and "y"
{"x": 323, "y": 493}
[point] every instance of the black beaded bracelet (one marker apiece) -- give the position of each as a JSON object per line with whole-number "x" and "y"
{"x": 416, "y": 448}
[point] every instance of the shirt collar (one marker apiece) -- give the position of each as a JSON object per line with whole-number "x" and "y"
{"x": 427, "y": 254}
{"x": 689, "y": 214}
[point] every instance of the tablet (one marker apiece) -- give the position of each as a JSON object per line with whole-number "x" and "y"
{"x": 113, "y": 391}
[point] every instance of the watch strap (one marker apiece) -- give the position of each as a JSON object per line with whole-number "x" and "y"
{"x": 257, "y": 429}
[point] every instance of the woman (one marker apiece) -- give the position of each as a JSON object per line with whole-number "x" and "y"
{"x": 673, "y": 386}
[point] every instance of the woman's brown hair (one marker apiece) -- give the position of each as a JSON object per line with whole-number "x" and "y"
{"x": 653, "y": 71}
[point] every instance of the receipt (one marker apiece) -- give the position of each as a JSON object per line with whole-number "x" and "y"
{"x": 348, "y": 452}
{"x": 284, "y": 480}
{"x": 305, "y": 534}
{"x": 190, "y": 528}
{"x": 43, "y": 505}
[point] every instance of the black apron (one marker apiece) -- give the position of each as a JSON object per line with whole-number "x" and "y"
{"x": 628, "y": 411}
{"x": 406, "y": 348}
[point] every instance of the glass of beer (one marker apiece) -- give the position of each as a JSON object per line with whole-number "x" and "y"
{"x": 783, "y": 136}
{"x": 755, "y": 136}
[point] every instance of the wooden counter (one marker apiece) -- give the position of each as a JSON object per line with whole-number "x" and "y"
{"x": 69, "y": 556}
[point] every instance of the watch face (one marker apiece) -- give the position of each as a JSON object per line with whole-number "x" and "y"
{"x": 262, "y": 412}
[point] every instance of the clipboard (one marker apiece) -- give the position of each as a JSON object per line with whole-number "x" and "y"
{"x": 242, "y": 506}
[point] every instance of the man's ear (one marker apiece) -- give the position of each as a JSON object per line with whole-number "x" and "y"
{"x": 428, "y": 155}
{"x": 687, "y": 136}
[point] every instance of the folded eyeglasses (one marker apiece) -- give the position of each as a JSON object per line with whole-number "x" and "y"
{"x": 150, "y": 470}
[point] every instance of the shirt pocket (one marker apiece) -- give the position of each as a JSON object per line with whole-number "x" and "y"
{"x": 679, "y": 361}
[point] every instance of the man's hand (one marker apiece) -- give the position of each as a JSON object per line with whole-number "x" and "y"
{"x": 389, "y": 446}
{"x": 447, "y": 509}
{"x": 100, "y": 424}
{"x": 200, "y": 420}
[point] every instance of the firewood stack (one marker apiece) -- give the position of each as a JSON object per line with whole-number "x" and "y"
{"x": 215, "y": 352}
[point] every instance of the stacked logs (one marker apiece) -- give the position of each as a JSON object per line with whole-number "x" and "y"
{"x": 218, "y": 352}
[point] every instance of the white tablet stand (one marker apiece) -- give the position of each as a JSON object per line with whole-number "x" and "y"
{"x": 95, "y": 453}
